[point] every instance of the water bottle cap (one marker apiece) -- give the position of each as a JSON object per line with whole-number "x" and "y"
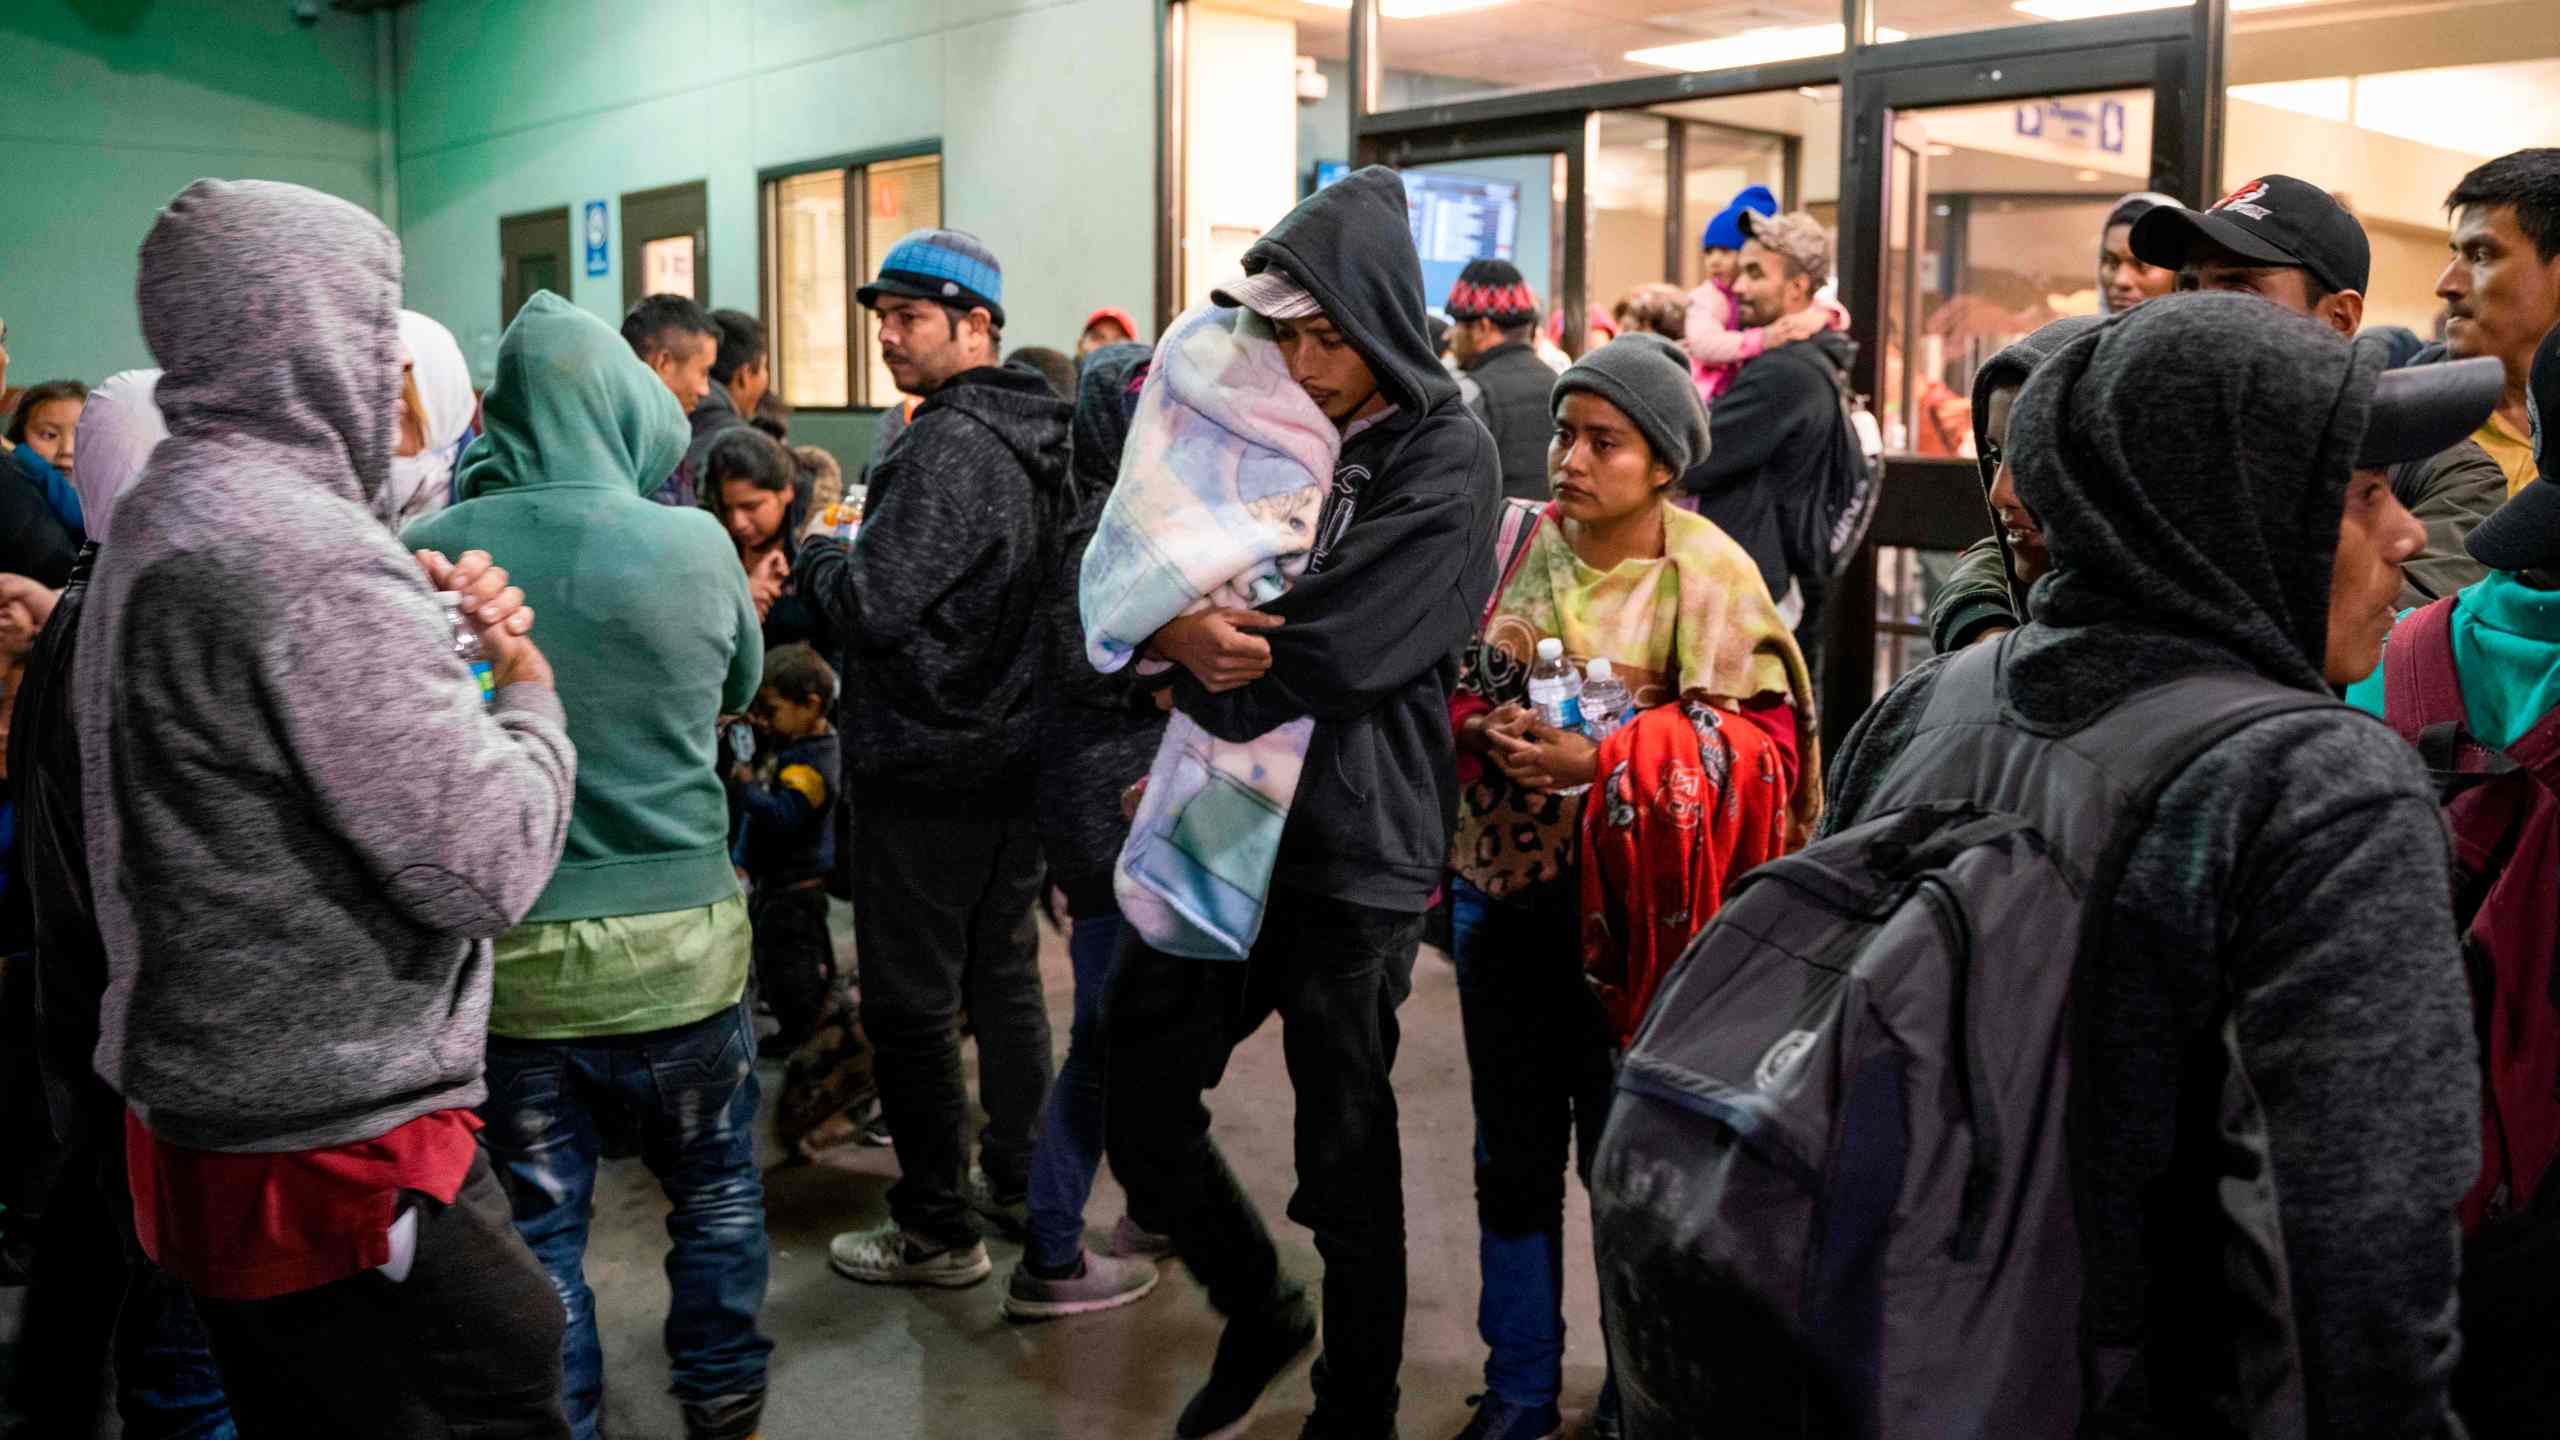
{"x": 1598, "y": 669}
{"x": 1551, "y": 648}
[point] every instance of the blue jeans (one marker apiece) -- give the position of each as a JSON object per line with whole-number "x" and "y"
{"x": 1540, "y": 1072}
{"x": 686, "y": 1097}
{"x": 1069, "y": 1150}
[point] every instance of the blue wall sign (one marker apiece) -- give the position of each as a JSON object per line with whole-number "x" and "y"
{"x": 595, "y": 240}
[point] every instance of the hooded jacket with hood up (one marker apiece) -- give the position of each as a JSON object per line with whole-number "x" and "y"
{"x": 2450, "y": 493}
{"x": 2275, "y": 1090}
{"x": 1772, "y": 432}
{"x": 939, "y": 603}
{"x": 304, "y": 825}
{"x": 646, "y": 612}
{"x": 1395, "y": 584}
{"x": 1983, "y": 593}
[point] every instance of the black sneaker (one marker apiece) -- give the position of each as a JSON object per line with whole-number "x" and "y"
{"x": 1251, "y": 1354}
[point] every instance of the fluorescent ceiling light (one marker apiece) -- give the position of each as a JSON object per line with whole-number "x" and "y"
{"x": 2092, "y": 9}
{"x": 2099, "y": 9}
{"x": 1413, "y": 9}
{"x": 1767, "y": 46}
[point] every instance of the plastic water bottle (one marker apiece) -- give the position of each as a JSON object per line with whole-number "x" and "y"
{"x": 1555, "y": 687}
{"x": 467, "y": 646}
{"x": 1605, "y": 701}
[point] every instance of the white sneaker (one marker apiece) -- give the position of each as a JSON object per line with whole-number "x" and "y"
{"x": 888, "y": 1255}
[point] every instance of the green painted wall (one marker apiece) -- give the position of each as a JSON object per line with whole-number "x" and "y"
{"x": 1044, "y": 111}
{"x": 113, "y": 106}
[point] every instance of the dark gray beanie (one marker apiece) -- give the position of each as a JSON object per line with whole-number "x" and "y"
{"x": 1647, "y": 376}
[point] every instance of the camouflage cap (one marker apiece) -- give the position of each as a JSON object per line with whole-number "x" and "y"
{"x": 1796, "y": 235}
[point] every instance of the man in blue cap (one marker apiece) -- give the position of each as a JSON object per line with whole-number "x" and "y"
{"x": 940, "y": 605}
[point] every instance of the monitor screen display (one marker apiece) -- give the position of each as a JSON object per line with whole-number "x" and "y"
{"x": 1458, "y": 218}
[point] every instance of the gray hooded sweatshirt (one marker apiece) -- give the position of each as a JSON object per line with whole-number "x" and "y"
{"x": 304, "y": 826}
{"x": 2276, "y": 1100}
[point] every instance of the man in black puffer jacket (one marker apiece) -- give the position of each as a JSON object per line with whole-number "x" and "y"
{"x": 939, "y": 608}
{"x": 1504, "y": 382}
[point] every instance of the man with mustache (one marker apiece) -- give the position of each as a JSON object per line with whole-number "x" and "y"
{"x": 939, "y": 606}
{"x": 2501, "y": 289}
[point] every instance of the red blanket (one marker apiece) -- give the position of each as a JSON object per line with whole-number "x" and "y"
{"x": 1689, "y": 797}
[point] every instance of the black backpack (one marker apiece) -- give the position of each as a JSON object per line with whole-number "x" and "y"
{"x": 1826, "y": 527}
{"x": 1834, "y": 1198}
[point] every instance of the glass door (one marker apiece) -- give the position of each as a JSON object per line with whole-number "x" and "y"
{"x": 1975, "y": 196}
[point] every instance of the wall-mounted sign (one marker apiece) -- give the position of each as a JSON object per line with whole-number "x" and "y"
{"x": 2081, "y": 123}
{"x": 595, "y": 240}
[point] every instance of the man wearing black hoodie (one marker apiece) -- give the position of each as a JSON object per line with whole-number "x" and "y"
{"x": 2275, "y": 1085}
{"x": 1774, "y": 430}
{"x": 1986, "y": 594}
{"x": 939, "y": 607}
{"x": 1366, "y": 643}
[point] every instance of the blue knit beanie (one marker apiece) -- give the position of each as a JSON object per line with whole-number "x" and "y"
{"x": 1725, "y": 231}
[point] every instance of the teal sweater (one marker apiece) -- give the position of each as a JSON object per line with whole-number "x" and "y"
{"x": 2506, "y": 647}
{"x": 641, "y": 609}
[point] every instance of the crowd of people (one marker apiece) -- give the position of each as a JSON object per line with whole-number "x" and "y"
{"x": 428, "y": 794}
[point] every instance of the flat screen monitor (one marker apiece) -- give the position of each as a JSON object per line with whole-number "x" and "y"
{"x": 1458, "y": 218}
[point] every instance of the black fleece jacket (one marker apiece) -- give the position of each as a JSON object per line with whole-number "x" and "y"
{"x": 1396, "y": 581}
{"x": 1770, "y": 435}
{"x": 938, "y": 605}
{"x": 2278, "y": 1078}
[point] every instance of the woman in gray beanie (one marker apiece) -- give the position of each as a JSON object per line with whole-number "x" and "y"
{"x": 1615, "y": 572}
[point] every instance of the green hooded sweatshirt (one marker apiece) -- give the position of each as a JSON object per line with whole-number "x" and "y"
{"x": 643, "y": 612}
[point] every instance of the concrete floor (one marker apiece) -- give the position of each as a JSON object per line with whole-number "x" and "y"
{"x": 944, "y": 1365}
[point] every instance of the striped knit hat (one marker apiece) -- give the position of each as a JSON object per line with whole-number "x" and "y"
{"x": 1492, "y": 290}
{"x": 948, "y": 267}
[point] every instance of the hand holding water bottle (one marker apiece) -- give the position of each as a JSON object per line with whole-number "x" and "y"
{"x": 496, "y": 611}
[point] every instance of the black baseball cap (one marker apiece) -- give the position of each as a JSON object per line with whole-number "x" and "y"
{"x": 2274, "y": 220}
{"x": 2524, "y": 533}
{"x": 2424, "y": 410}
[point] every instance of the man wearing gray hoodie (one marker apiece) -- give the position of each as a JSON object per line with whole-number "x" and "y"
{"x": 2274, "y": 1089}
{"x": 304, "y": 828}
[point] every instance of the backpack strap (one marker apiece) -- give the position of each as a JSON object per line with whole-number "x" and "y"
{"x": 1519, "y": 525}
{"x": 2537, "y": 752}
{"x": 2420, "y": 686}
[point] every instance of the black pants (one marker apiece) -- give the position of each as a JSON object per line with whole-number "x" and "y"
{"x": 467, "y": 1347}
{"x": 795, "y": 959}
{"x": 1335, "y": 972}
{"x": 942, "y": 911}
